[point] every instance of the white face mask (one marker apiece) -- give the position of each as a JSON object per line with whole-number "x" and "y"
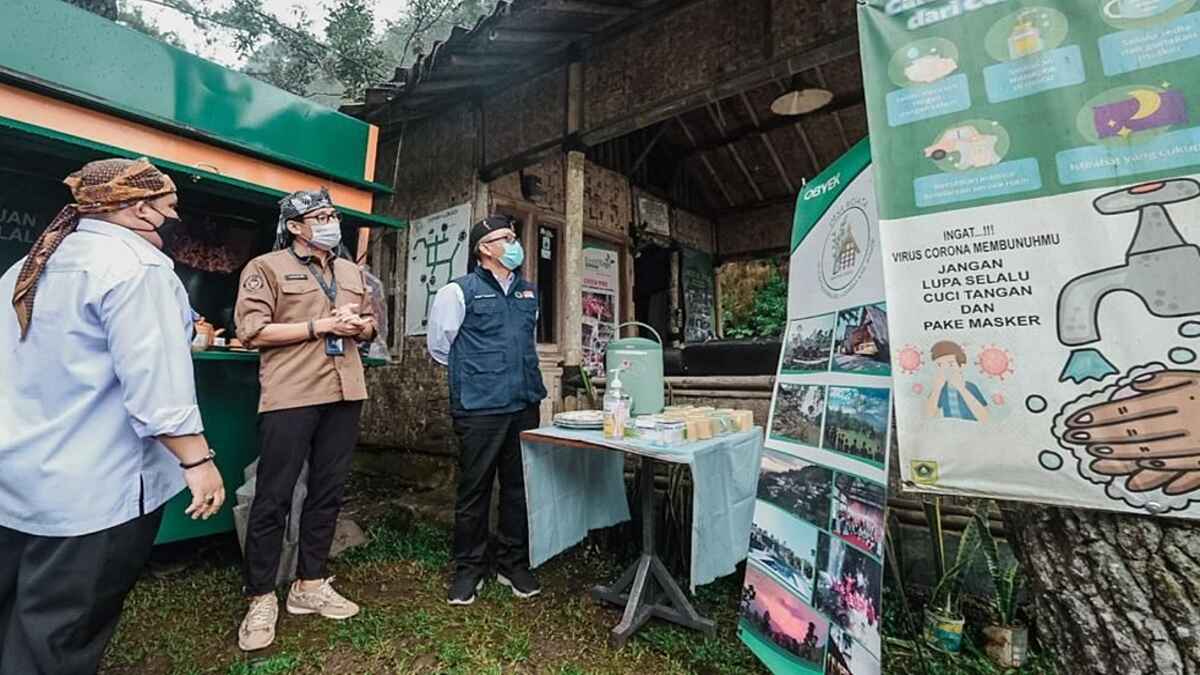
{"x": 327, "y": 237}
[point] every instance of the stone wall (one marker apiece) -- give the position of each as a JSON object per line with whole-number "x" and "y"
{"x": 437, "y": 169}
{"x": 607, "y": 200}
{"x": 529, "y": 114}
{"x": 692, "y": 230}
{"x": 765, "y": 230}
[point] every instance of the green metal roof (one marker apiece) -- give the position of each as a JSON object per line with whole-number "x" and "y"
{"x": 80, "y": 56}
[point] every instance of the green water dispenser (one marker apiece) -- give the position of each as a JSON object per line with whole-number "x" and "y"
{"x": 641, "y": 363}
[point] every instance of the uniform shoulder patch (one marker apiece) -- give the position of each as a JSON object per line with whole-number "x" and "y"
{"x": 253, "y": 282}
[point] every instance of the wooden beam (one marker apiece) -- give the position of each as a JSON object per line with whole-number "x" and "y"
{"x": 446, "y": 86}
{"x": 712, "y": 171}
{"x": 534, "y": 36}
{"x": 766, "y": 139}
{"x": 517, "y": 162}
{"x": 737, "y": 156}
{"x": 485, "y": 61}
{"x": 765, "y": 203}
{"x": 637, "y": 164}
{"x": 837, "y": 117}
{"x": 799, "y": 126}
{"x": 588, "y": 7}
{"x": 777, "y": 123}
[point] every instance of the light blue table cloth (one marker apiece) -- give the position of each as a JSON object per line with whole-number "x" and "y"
{"x": 570, "y": 491}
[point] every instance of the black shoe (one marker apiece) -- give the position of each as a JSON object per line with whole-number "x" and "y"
{"x": 464, "y": 589}
{"x": 521, "y": 581}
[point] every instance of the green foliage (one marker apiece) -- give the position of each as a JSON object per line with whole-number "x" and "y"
{"x": 767, "y": 315}
{"x": 289, "y": 54}
{"x": 1005, "y": 578}
{"x": 947, "y": 594}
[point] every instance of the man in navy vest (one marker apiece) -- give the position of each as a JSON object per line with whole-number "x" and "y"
{"x": 483, "y": 327}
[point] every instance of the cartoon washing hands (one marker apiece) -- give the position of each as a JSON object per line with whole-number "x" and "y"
{"x": 1148, "y": 433}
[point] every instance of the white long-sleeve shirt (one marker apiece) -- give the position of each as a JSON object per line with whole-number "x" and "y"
{"x": 106, "y": 367}
{"x": 446, "y": 317}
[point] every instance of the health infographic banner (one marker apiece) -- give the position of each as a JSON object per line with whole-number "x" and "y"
{"x": 814, "y": 576}
{"x": 1038, "y": 168}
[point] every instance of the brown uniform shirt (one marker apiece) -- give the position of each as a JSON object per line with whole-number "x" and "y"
{"x": 279, "y": 288}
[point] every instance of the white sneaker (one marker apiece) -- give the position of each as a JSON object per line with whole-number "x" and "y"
{"x": 322, "y": 600}
{"x": 258, "y": 628}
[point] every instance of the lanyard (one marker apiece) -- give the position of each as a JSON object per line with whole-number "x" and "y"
{"x": 329, "y": 290}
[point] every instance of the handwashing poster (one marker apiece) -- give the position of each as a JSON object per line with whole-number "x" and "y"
{"x": 814, "y": 576}
{"x": 1038, "y": 172}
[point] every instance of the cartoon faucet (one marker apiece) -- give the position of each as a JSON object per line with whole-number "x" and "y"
{"x": 1160, "y": 267}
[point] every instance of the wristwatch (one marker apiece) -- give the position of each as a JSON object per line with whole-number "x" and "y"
{"x": 211, "y": 455}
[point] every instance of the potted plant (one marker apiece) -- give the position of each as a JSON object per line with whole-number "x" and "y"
{"x": 1005, "y": 640}
{"x": 943, "y": 613}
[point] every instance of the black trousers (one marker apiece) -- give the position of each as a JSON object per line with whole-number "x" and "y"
{"x": 61, "y": 597}
{"x": 491, "y": 444}
{"x": 325, "y": 435}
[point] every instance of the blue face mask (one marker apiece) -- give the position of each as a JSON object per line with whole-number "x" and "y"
{"x": 513, "y": 256}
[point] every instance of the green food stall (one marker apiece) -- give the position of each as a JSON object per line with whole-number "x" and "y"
{"x": 232, "y": 144}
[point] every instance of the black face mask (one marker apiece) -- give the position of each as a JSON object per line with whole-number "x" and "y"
{"x": 168, "y": 231}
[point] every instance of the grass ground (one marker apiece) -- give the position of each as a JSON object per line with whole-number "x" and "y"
{"x": 185, "y": 621}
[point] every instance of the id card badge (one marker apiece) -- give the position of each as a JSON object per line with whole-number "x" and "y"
{"x": 334, "y": 346}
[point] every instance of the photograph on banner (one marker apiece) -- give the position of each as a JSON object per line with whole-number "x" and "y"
{"x": 798, "y": 413}
{"x": 858, "y": 513}
{"x": 808, "y": 345}
{"x": 816, "y": 546}
{"x": 800, "y": 488}
{"x": 850, "y": 591}
{"x": 846, "y": 656}
{"x": 786, "y": 548}
{"x": 861, "y": 341}
{"x": 601, "y": 284}
{"x": 437, "y": 254}
{"x": 856, "y": 423}
{"x": 787, "y": 634}
{"x": 1038, "y": 178}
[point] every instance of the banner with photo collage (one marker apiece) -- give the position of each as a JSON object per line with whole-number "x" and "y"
{"x": 1038, "y": 166}
{"x": 814, "y": 577}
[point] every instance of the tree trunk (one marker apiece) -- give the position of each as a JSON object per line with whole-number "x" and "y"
{"x": 1113, "y": 594}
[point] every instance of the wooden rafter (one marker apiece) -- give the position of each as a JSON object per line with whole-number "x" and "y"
{"x": 534, "y": 36}
{"x": 662, "y": 129}
{"x": 718, "y": 119}
{"x": 841, "y": 103}
{"x": 770, "y": 146}
{"x": 588, "y": 7}
{"x": 837, "y": 116}
{"x": 799, "y": 126}
{"x": 707, "y": 163}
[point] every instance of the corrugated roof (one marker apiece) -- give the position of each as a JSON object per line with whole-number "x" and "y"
{"x": 516, "y": 37}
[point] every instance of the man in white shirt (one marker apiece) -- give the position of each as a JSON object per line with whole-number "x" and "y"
{"x": 482, "y": 326}
{"x": 97, "y": 416}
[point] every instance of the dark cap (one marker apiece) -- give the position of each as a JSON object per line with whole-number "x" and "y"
{"x": 482, "y": 229}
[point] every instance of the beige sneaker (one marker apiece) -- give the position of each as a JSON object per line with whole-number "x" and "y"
{"x": 258, "y": 628}
{"x": 322, "y": 600}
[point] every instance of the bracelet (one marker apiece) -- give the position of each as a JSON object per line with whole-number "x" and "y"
{"x": 312, "y": 332}
{"x": 211, "y": 454}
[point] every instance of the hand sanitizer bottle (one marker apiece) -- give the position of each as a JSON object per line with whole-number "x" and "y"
{"x": 617, "y": 406}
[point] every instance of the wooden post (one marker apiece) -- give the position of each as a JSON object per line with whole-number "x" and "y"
{"x": 572, "y": 251}
{"x": 364, "y": 246}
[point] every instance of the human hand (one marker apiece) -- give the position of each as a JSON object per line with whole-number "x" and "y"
{"x": 208, "y": 491}
{"x": 955, "y": 379}
{"x": 1151, "y": 437}
{"x": 340, "y": 325}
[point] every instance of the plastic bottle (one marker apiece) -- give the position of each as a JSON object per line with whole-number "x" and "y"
{"x": 617, "y": 405}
